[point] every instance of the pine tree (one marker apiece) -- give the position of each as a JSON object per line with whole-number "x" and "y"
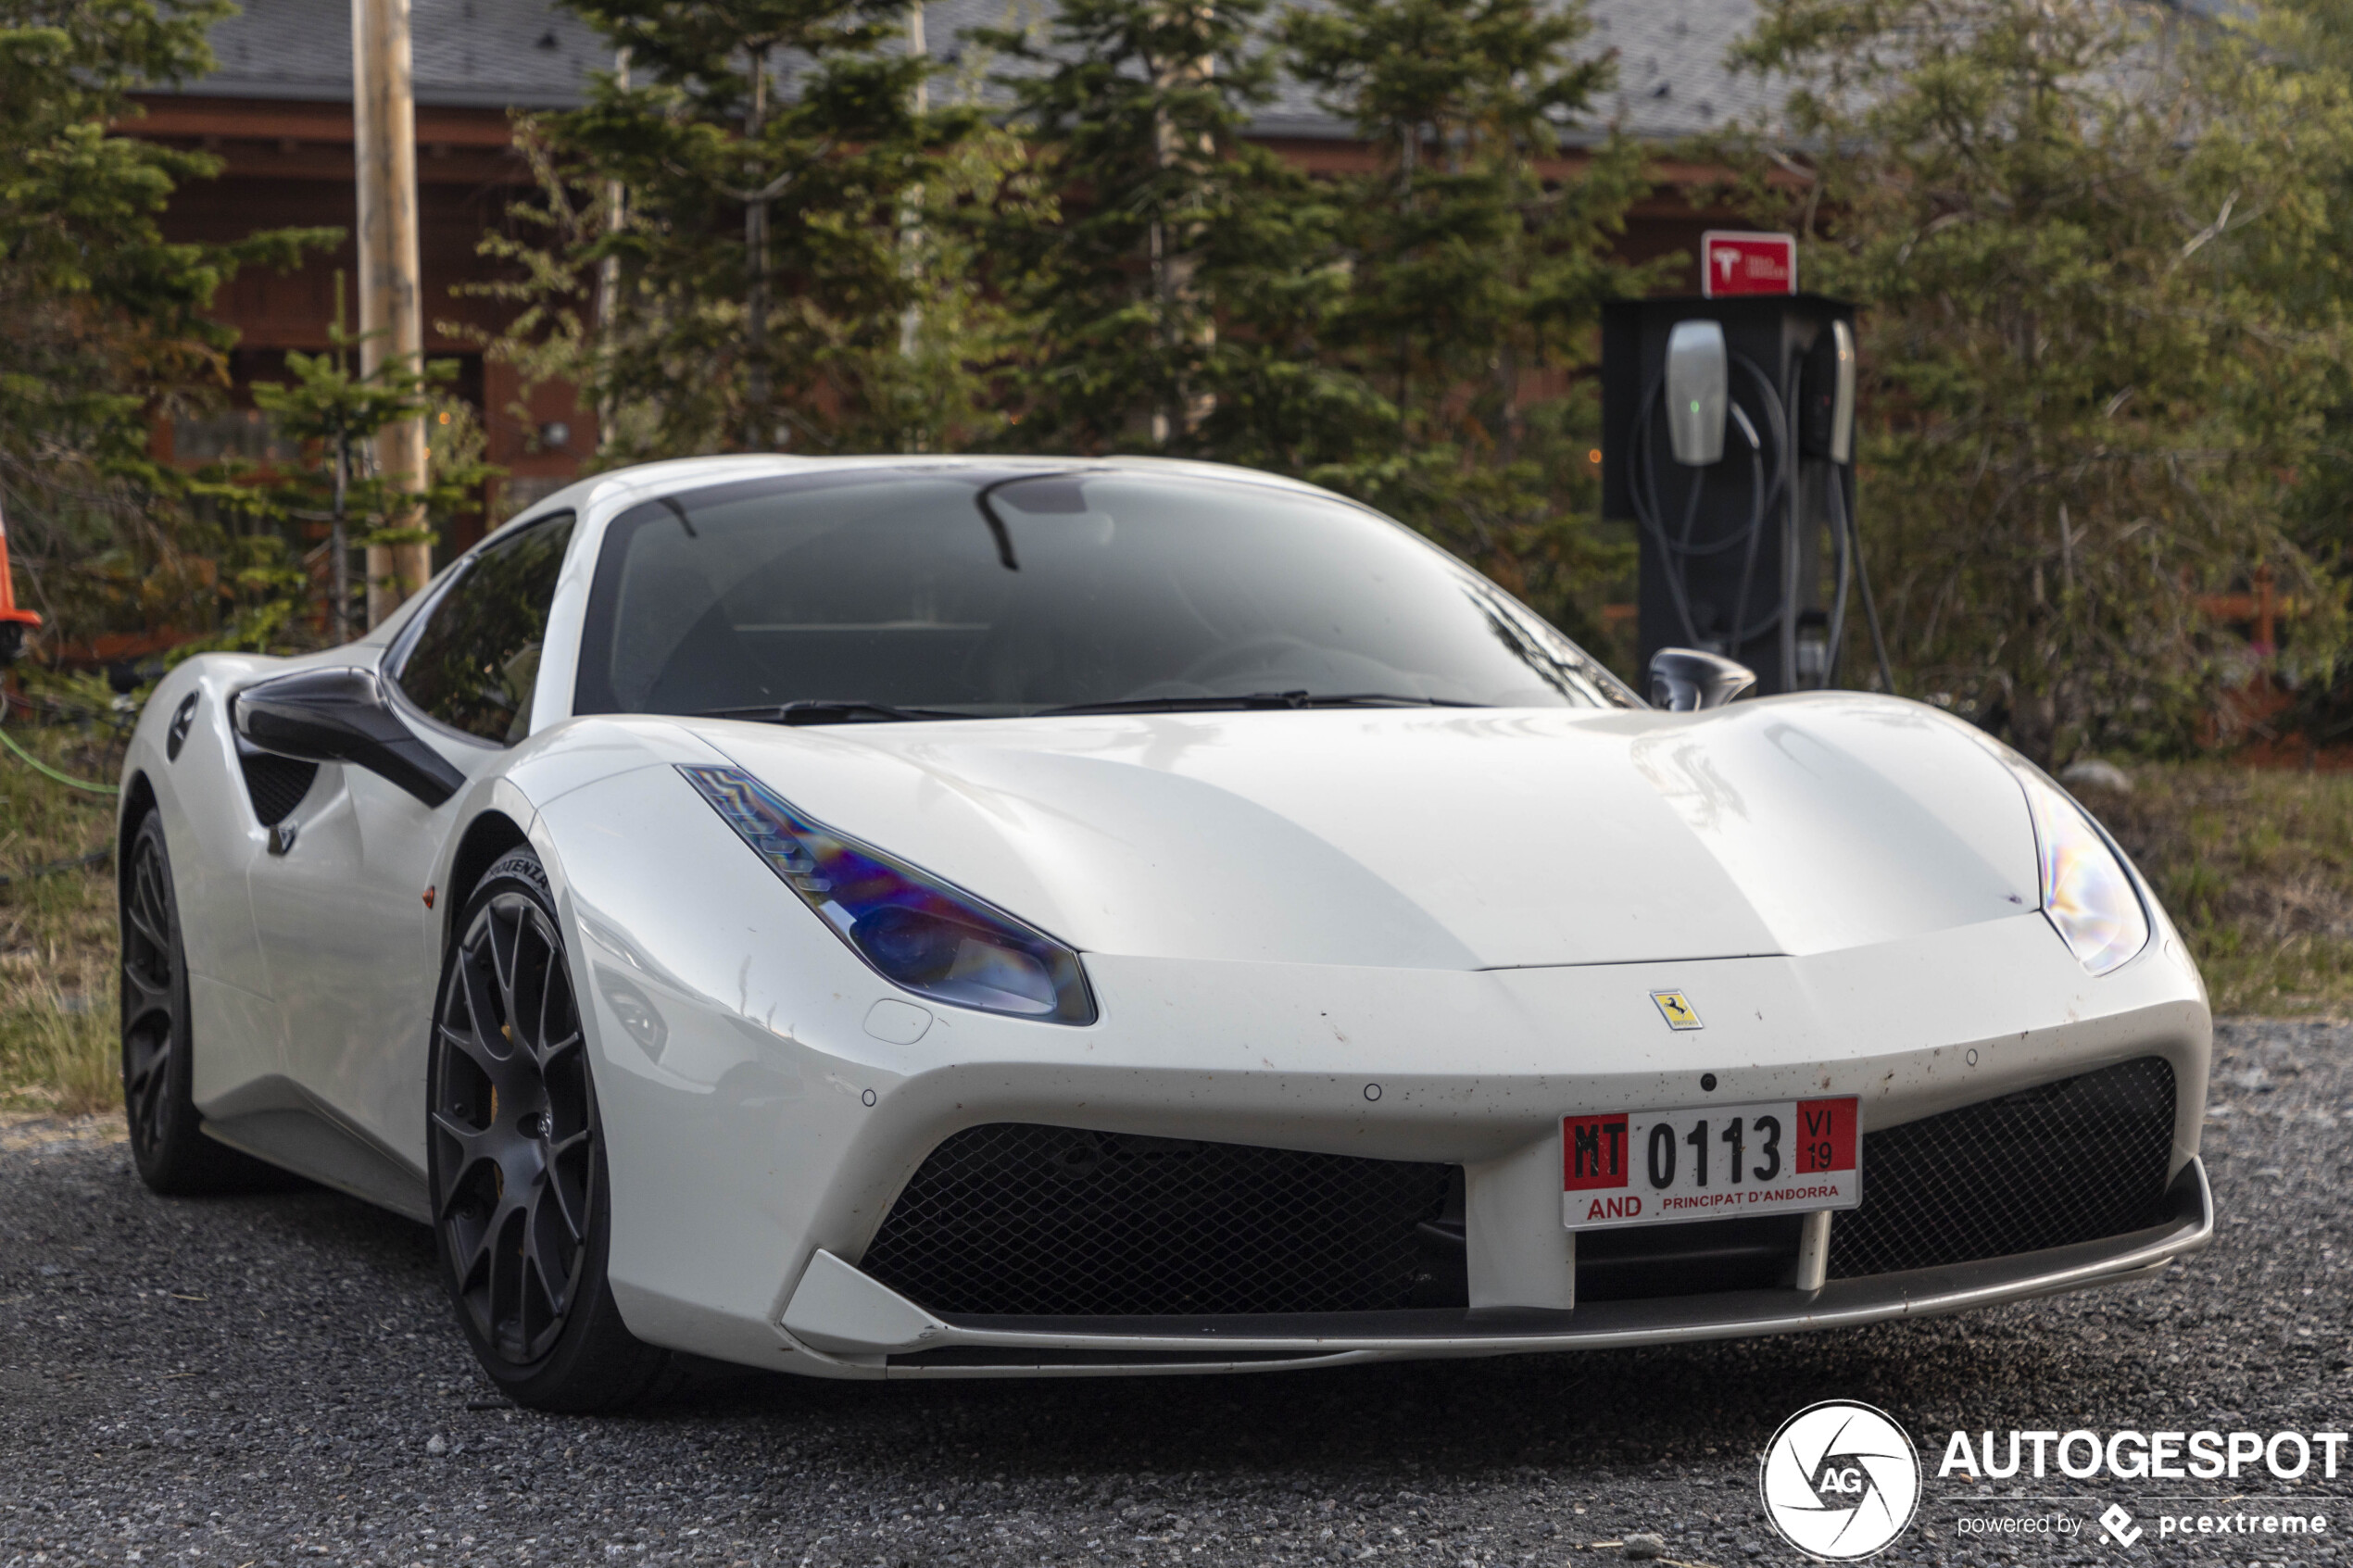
{"x": 333, "y": 412}
{"x": 2099, "y": 254}
{"x": 728, "y": 239}
{"x": 1478, "y": 251}
{"x": 1178, "y": 289}
{"x": 105, "y": 323}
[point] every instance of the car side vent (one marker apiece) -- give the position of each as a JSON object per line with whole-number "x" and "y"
{"x": 275, "y": 784}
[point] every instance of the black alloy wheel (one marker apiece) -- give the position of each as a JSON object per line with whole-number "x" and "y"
{"x": 516, "y": 1157}
{"x": 168, "y": 1143}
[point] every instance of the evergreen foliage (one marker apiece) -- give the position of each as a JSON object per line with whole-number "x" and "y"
{"x": 107, "y": 325}
{"x": 748, "y": 238}
{"x": 2100, "y": 248}
{"x": 334, "y": 412}
{"x": 1479, "y": 251}
{"x": 1409, "y": 335}
{"x": 1176, "y": 294}
{"x": 2096, "y": 244}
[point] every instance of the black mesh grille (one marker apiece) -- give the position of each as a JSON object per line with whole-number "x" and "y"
{"x": 2075, "y": 1160}
{"x": 1048, "y": 1221}
{"x": 275, "y": 784}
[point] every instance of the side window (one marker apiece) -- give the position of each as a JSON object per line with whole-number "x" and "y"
{"x": 476, "y": 659}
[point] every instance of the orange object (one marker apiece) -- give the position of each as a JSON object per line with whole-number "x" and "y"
{"x": 2263, "y": 607}
{"x": 9, "y": 613}
{"x": 428, "y": 897}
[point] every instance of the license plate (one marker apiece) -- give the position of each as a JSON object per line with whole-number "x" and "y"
{"x": 1709, "y": 1162}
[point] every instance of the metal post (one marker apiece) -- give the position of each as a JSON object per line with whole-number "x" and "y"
{"x": 1814, "y": 1251}
{"x": 391, "y": 307}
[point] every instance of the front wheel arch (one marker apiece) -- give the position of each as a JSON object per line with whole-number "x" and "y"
{"x": 139, "y": 803}
{"x": 488, "y": 838}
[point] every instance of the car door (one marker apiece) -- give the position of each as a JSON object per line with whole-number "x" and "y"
{"x": 353, "y": 948}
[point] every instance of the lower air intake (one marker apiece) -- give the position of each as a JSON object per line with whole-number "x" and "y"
{"x": 1013, "y": 1218}
{"x": 2080, "y": 1159}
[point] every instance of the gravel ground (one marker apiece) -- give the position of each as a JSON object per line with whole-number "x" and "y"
{"x": 274, "y": 1379}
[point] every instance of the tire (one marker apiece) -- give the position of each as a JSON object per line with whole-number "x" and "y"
{"x": 168, "y": 1143}
{"x": 516, "y": 1161}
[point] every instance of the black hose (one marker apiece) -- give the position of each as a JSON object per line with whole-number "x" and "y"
{"x": 1863, "y": 580}
{"x": 104, "y": 852}
{"x": 1835, "y": 642}
{"x": 1643, "y": 490}
{"x": 1756, "y": 529}
{"x": 1675, "y": 553}
{"x": 1647, "y": 506}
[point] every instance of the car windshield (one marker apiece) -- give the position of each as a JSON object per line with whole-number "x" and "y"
{"x": 895, "y": 592}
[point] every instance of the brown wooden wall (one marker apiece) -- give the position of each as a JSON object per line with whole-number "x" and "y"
{"x": 289, "y": 163}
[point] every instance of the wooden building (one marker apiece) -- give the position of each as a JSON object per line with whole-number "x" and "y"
{"x": 278, "y": 113}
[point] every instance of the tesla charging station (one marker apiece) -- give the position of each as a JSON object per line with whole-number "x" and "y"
{"x": 1728, "y": 440}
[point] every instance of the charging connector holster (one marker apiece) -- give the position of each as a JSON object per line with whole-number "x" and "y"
{"x": 1743, "y": 555}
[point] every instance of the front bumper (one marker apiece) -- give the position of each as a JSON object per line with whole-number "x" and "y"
{"x": 837, "y": 1305}
{"x": 766, "y": 1102}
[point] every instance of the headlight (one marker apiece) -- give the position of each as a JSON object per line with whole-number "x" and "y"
{"x": 2086, "y": 891}
{"x": 915, "y": 930}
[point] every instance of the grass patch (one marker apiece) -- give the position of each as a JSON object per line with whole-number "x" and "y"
{"x": 2256, "y": 867}
{"x": 60, "y": 1032}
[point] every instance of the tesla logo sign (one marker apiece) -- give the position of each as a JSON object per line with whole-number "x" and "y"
{"x": 1737, "y": 263}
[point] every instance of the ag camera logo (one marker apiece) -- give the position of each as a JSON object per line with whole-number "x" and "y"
{"x": 1839, "y": 1481}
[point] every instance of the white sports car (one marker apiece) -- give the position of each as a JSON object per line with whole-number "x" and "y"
{"x": 889, "y": 918}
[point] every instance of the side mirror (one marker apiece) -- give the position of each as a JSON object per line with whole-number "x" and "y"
{"x": 342, "y": 716}
{"x": 1684, "y": 680}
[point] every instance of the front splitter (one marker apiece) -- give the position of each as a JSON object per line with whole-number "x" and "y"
{"x": 929, "y": 1346}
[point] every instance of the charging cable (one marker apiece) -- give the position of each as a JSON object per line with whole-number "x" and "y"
{"x": 1765, "y": 490}
{"x": 1843, "y": 527}
{"x": 1696, "y": 365}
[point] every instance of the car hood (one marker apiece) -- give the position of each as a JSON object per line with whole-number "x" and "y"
{"x": 1437, "y": 838}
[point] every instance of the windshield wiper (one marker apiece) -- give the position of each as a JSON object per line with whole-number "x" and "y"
{"x": 825, "y": 712}
{"x": 1253, "y": 700}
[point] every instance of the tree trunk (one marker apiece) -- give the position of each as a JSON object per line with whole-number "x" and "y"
{"x": 608, "y": 283}
{"x": 759, "y": 397}
{"x": 1186, "y": 328}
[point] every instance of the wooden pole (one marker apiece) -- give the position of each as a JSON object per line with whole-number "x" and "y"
{"x": 1173, "y": 262}
{"x": 392, "y": 323}
{"x": 609, "y": 277}
{"x": 760, "y": 419}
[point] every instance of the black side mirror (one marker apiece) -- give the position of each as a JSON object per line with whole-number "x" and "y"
{"x": 1683, "y": 680}
{"x": 342, "y": 716}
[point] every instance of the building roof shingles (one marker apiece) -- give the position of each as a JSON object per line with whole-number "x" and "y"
{"x": 1672, "y": 79}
